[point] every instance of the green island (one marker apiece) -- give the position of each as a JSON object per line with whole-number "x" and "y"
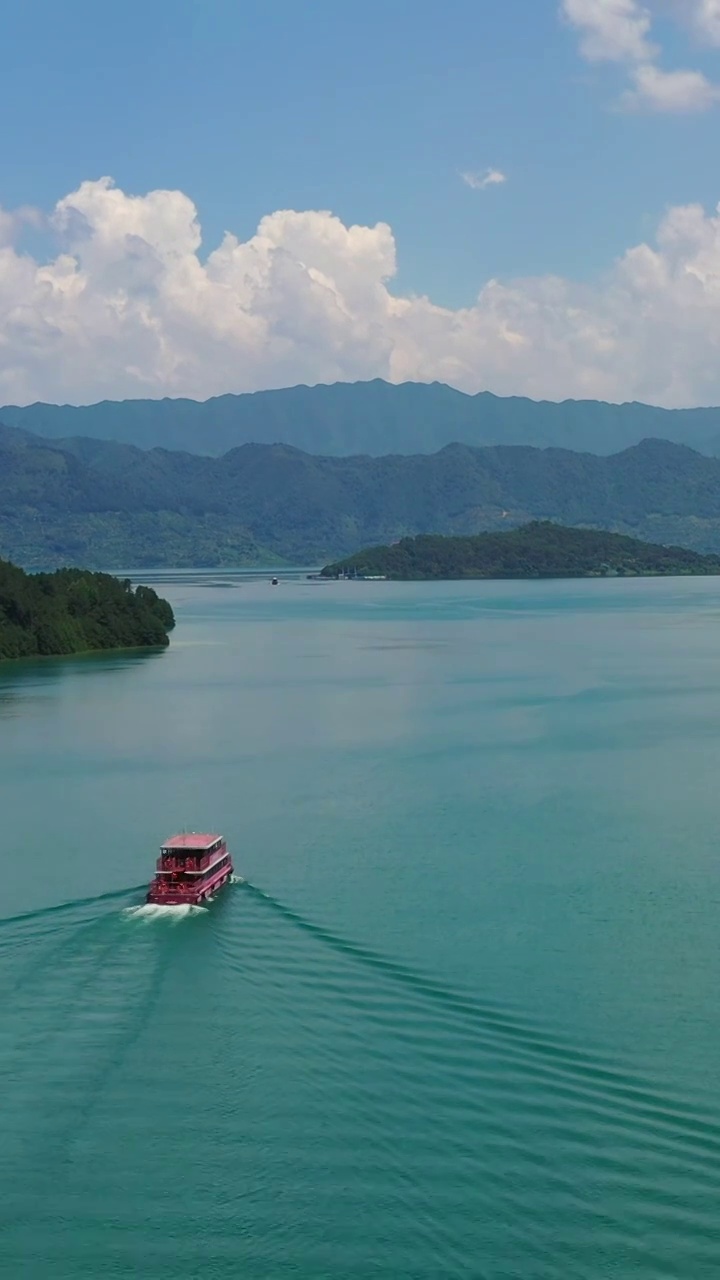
{"x": 540, "y": 549}
{"x": 76, "y": 611}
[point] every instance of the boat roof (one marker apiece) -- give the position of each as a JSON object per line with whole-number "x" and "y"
{"x": 191, "y": 840}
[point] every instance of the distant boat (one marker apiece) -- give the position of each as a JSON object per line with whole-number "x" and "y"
{"x": 190, "y": 869}
{"x": 274, "y": 581}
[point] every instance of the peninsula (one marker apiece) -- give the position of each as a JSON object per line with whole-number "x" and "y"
{"x": 540, "y": 549}
{"x": 75, "y": 611}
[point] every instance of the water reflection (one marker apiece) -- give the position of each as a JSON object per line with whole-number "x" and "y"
{"x": 25, "y": 679}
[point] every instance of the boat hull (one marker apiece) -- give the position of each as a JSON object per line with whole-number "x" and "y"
{"x": 193, "y": 895}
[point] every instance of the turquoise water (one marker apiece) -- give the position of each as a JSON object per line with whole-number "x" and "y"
{"x": 462, "y": 1019}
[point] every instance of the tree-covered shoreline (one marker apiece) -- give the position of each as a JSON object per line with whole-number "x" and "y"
{"x": 76, "y": 611}
{"x": 539, "y": 549}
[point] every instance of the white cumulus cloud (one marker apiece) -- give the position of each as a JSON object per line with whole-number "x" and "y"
{"x": 611, "y": 29}
{"x": 481, "y": 181}
{"x": 672, "y": 91}
{"x": 128, "y": 306}
{"x": 704, "y": 18}
{"x": 620, "y": 30}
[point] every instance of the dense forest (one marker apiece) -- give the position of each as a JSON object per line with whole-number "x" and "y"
{"x": 73, "y": 611}
{"x": 374, "y": 417}
{"x": 538, "y": 550}
{"x": 105, "y": 505}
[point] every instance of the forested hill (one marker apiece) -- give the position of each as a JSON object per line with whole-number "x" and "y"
{"x": 537, "y": 550}
{"x": 106, "y": 505}
{"x": 73, "y": 611}
{"x": 370, "y": 417}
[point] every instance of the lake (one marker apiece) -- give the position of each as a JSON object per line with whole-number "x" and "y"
{"x": 462, "y": 1018}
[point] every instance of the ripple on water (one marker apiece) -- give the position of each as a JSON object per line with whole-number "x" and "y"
{"x": 323, "y": 1109}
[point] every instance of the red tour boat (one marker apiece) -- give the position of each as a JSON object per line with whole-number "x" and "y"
{"x": 190, "y": 869}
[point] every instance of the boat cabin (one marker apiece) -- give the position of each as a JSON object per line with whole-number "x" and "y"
{"x": 191, "y": 855}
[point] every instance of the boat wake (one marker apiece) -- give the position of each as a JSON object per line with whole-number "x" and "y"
{"x": 159, "y": 911}
{"x": 474, "y": 1124}
{"x": 569, "y": 1070}
{"x": 67, "y": 908}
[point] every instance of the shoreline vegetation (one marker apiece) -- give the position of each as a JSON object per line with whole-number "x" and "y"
{"x": 540, "y": 549}
{"x": 75, "y": 611}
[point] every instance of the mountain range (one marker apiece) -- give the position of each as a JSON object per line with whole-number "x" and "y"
{"x": 109, "y": 505}
{"x": 376, "y": 418}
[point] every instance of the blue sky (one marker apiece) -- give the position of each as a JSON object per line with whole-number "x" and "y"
{"x": 368, "y": 110}
{"x": 372, "y": 112}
